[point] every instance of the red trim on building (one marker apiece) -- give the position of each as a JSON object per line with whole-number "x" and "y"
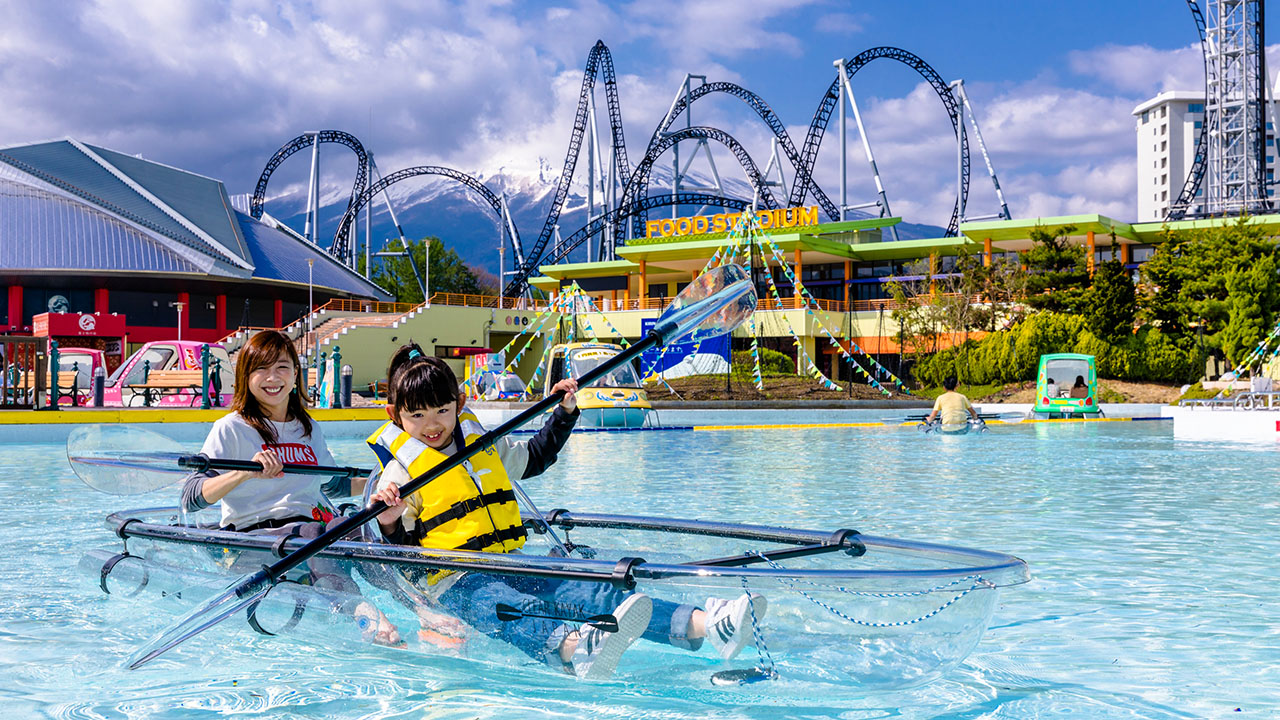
{"x": 101, "y": 301}
{"x": 15, "y": 307}
{"x": 279, "y": 313}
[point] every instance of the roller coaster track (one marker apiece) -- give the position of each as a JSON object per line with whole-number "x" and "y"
{"x": 635, "y": 203}
{"x": 1200, "y": 161}
{"x": 638, "y": 186}
{"x": 341, "y": 240}
{"x": 756, "y": 103}
{"x": 809, "y": 154}
{"x": 305, "y": 141}
{"x": 599, "y": 60}
{"x": 644, "y": 204}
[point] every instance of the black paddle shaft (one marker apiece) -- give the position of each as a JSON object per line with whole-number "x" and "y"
{"x": 335, "y": 532}
{"x": 200, "y": 463}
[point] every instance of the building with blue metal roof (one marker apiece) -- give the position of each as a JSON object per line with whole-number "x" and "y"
{"x": 84, "y": 229}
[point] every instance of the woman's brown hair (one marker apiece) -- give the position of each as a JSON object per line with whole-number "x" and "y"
{"x": 262, "y": 351}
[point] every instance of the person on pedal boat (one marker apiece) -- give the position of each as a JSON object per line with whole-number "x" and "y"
{"x": 952, "y": 407}
{"x": 269, "y": 424}
{"x": 473, "y": 507}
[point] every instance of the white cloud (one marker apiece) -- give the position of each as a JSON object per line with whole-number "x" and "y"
{"x": 216, "y": 87}
{"x": 1141, "y": 69}
{"x": 841, "y": 23}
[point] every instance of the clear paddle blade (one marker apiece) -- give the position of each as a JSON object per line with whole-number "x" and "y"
{"x": 238, "y": 596}
{"x": 124, "y": 460}
{"x": 718, "y": 301}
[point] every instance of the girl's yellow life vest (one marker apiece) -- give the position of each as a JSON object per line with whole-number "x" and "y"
{"x": 472, "y": 506}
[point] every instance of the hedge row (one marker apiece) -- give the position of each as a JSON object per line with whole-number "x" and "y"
{"x": 1014, "y": 355}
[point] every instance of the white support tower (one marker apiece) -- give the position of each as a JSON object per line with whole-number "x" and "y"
{"x": 775, "y": 168}
{"x": 309, "y": 229}
{"x": 883, "y": 203}
{"x": 1236, "y": 179}
{"x": 963, "y": 107}
{"x": 602, "y": 178}
{"x": 679, "y": 175}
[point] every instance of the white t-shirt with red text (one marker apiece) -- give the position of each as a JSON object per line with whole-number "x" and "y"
{"x": 259, "y": 499}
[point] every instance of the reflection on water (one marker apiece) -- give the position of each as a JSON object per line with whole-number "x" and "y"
{"x": 1153, "y": 593}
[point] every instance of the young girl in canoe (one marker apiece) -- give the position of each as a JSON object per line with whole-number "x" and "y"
{"x": 269, "y": 424}
{"x": 473, "y": 507}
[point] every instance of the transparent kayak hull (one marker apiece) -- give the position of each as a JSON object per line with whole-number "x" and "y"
{"x": 843, "y": 608}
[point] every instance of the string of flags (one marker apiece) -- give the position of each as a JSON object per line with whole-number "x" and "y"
{"x": 811, "y": 303}
{"x": 810, "y": 368}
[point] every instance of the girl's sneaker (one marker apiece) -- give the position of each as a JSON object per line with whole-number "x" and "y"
{"x": 598, "y": 651}
{"x": 729, "y": 621}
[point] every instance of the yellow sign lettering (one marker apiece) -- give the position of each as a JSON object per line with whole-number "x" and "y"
{"x": 724, "y": 222}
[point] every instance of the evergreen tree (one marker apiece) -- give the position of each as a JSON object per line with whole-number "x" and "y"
{"x": 448, "y": 273}
{"x": 1057, "y": 273}
{"x": 1112, "y": 302}
{"x": 1188, "y": 283}
{"x": 1252, "y": 294}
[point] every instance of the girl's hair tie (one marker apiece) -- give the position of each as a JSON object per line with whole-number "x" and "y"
{"x": 414, "y": 353}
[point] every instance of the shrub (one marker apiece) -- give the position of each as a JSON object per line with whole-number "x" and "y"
{"x": 1013, "y": 355}
{"x": 772, "y": 362}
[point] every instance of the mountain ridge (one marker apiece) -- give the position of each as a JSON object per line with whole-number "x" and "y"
{"x": 464, "y": 220}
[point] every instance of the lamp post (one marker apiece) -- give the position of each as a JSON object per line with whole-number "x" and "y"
{"x": 311, "y": 305}
{"x": 178, "y": 304}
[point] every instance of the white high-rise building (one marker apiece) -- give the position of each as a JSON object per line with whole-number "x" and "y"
{"x": 1168, "y": 126}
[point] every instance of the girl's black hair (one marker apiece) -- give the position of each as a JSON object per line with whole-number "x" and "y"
{"x": 416, "y": 380}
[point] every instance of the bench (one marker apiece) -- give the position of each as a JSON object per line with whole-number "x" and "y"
{"x": 25, "y": 386}
{"x": 168, "y": 382}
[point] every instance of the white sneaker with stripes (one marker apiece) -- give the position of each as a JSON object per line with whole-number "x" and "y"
{"x": 729, "y": 622}
{"x": 598, "y": 651}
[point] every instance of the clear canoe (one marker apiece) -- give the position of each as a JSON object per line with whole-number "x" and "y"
{"x": 844, "y": 608}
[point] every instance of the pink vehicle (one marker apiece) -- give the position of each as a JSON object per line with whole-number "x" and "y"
{"x": 83, "y": 362}
{"x": 165, "y": 355}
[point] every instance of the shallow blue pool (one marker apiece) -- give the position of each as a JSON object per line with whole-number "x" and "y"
{"x": 1153, "y": 593}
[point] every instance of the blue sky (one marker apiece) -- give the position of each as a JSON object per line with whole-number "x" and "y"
{"x": 216, "y": 87}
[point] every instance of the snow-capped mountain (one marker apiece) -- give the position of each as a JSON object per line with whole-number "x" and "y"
{"x": 440, "y": 206}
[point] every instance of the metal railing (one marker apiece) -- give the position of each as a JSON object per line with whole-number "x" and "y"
{"x": 22, "y": 371}
{"x": 1240, "y": 401}
{"x": 368, "y": 306}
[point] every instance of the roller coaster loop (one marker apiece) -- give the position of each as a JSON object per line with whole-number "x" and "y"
{"x": 341, "y": 240}
{"x": 305, "y": 141}
{"x": 598, "y": 60}
{"x": 809, "y": 153}
{"x": 638, "y": 186}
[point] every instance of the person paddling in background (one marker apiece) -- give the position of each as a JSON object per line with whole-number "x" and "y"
{"x": 1080, "y": 389}
{"x": 473, "y": 507}
{"x": 952, "y": 406}
{"x": 269, "y": 424}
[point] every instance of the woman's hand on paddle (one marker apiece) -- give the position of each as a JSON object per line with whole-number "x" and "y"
{"x": 389, "y": 496}
{"x": 570, "y": 388}
{"x": 272, "y": 467}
